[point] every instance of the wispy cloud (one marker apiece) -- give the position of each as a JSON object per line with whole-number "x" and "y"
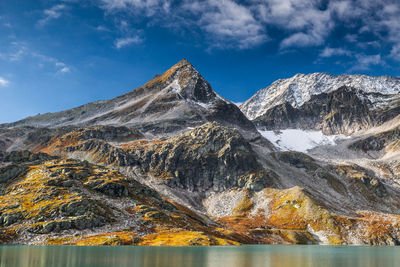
{"x": 330, "y": 52}
{"x": 122, "y": 42}
{"x": 52, "y": 13}
{"x": 364, "y": 62}
{"x": 102, "y": 28}
{"x": 147, "y": 7}
{"x": 62, "y": 68}
{"x": 19, "y": 51}
{"x": 65, "y": 70}
{"x": 395, "y": 52}
{"x": 4, "y": 82}
{"x": 128, "y": 35}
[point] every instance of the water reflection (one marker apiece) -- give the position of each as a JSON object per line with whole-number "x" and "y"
{"x": 246, "y": 256}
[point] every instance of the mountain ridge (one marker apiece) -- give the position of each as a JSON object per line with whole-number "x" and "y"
{"x": 299, "y": 88}
{"x": 173, "y": 163}
{"x": 376, "y": 95}
{"x": 180, "y": 95}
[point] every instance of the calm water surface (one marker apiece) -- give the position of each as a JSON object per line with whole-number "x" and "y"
{"x": 244, "y": 256}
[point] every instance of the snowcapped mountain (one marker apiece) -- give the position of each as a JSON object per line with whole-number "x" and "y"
{"x": 344, "y": 104}
{"x": 300, "y": 88}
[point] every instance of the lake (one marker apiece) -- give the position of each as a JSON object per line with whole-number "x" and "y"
{"x": 242, "y": 256}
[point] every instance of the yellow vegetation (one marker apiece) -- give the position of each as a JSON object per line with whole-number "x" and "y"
{"x": 244, "y": 205}
{"x": 106, "y": 239}
{"x": 184, "y": 238}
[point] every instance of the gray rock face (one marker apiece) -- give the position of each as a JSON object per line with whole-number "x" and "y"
{"x": 343, "y": 111}
{"x": 11, "y": 171}
{"x": 24, "y": 156}
{"x": 376, "y": 142}
{"x": 101, "y": 132}
{"x": 16, "y": 163}
{"x": 208, "y": 157}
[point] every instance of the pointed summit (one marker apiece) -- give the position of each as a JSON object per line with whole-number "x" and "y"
{"x": 173, "y": 101}
{"x": 169, "y": 75}
{"x": 180, "y": 65}
{"x": 184, "y": 79}
{"x": 183, "y": 62}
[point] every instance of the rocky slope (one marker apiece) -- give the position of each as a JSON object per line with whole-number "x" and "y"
{"x": 172, "y": 163}
{"x": 170, "y": 102}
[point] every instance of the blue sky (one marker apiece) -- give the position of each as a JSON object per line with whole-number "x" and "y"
{"x": 58, "y": 54}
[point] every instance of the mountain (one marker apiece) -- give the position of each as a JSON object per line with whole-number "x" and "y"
{"x": 335, "y": 104}
{"x": 170, "y": 102}
{"x": 173, "y": 163}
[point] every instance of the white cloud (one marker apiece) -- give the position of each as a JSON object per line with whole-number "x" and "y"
{"x": 249, "y": 23}
{"x": 62, "y": 68}
{"x": 301, "y": 39}
{"x": 149, "y": 7}
{"x": 330, "y": 52}
{"x": 229, "y": 23}
{"x": 364, "y": 62}
{"x": 4, "y": 82}
{"x": 52, "y": 13}
{"x": 126, "y": 41}
{"x": 101, "y": 28}
{"x": 65, "y": 70}
{"x": 305, "y": 22}
{"x": 395, "y": 52}
{"x": 225, "y": 23}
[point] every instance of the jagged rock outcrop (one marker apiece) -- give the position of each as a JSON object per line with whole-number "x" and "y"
{"x": 210, "y": 156}
{"x": 341, "y": 111}
{"x": 15, "y": 163}
{"x": 22, "y": 156}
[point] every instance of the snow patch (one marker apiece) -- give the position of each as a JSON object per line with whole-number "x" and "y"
{"x": 175, "y": 87}
{"x": 300, "y": 140}
{"x": 204, "y": 105}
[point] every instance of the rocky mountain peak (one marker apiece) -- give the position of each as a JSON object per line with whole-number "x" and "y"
{"x": 170, "y": 102}
{"x": 299, "y": 89}
{"x": 184, "y": 80}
